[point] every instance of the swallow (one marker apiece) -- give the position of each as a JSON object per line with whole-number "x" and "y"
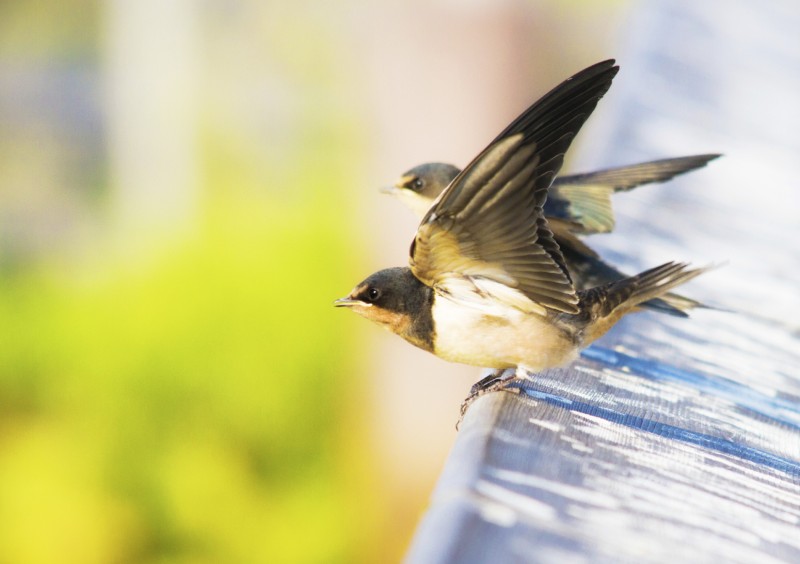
{"x": 581, "y": 201}
{"x": 577, "y": 204}
{"x": 487, "y": 284}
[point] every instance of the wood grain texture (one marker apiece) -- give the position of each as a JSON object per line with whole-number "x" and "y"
{"x": 669, "y": 440}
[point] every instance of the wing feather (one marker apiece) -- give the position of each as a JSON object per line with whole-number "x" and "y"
{"x": 489, "y": 224}
{"x": 585, "y": 199}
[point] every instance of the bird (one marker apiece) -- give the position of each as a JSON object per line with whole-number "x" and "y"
{"x": 582, "y": 201}
{"x": 578, "y": 204}
{"x": 486, "y": 284}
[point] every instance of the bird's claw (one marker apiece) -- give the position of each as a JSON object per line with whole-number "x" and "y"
{"x": 497, "y": 380}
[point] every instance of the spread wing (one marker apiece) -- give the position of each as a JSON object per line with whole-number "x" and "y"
{"x": 488, "y": 225}
{"x": 586, "y": 198}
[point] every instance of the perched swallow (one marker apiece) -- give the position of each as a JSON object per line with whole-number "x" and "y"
{"x": 582, "y": 201}
{"x": 487, "y": 284}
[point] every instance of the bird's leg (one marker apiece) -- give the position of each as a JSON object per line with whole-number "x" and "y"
{"x": 496, "y": 380}
{"x": 485, "y": 382}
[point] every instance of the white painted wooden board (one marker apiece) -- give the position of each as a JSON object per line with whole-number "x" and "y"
{"x": 669, "y": 440}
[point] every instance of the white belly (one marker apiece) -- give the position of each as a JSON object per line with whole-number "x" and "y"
{"x": 507, "y": 338}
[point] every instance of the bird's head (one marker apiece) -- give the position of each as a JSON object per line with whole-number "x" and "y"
{"x": 419, "y": 187}
{"x": 391, "y": 298}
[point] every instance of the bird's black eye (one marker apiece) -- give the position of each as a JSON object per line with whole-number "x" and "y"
{"x": 417, "y": 184}
{"x": 373, "y": 294}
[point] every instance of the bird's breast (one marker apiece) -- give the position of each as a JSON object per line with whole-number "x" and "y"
{"x": 497, "y": 336}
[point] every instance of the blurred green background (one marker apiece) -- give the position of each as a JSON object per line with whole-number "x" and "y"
{"x": 185, "y": 187}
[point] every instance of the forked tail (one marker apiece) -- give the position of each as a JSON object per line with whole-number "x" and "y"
{"x": 605, "y": 305}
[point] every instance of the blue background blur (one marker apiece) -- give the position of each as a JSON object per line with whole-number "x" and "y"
{"x": 185, "y": 188}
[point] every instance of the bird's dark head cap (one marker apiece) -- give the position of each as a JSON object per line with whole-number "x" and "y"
{"x": 429, "y": 179}
{"x": 389, "y": 297}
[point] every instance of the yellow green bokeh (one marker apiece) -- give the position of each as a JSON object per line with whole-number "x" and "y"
{"x": 186, "y": 404}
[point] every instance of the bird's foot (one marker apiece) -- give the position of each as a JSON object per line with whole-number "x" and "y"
{"x": 496, "y": 380}
{"x": 488, "y": 381}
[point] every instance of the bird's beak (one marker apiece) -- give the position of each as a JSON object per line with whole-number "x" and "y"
{"x": 391, "y": 190}
{"x": 346, "y": 302}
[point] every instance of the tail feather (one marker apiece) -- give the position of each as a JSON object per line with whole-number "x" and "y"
{"x": 665, "y": 305}
{"x": 588, "y": 271}
{"x": 605, "y": 305}
{"x": 678, "y": 305}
